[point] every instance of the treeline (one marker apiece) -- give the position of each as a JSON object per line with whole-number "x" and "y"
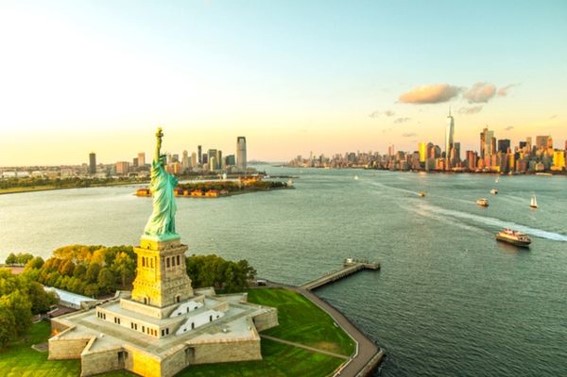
{"x": 214, "y": 271}
{"x": 20, "y": 299}
{"x": 86, "y": 270}
{"x": 98, "y": 270}
{"x": 19, "y": 259}
{"x": 71, "y": 182}
{"x": 232, "y": 186}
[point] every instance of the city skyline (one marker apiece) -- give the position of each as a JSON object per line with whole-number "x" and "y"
{"x": 326, "y": 77}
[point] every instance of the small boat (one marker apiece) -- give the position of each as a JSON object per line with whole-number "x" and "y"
{"x": 356, "y": 177}
{"x": 483, "y": 202}
{"x": 513, "y": 237}
{"x": 421, "y": 194}
{"x": 494, "y": 191}
{"x": 533, "y": 202}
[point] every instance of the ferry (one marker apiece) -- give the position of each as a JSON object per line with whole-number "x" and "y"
{"x": 483, "y": 202}
{"x": 494, "y": 191}
{"x": 513, "y": 237}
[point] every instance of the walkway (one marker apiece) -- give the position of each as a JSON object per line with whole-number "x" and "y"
{"x": 312, "y": 349}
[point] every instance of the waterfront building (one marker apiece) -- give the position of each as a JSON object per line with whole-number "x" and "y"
{"x": 487, "y": 143}
{"x": 503, "y": 145}
{"x": 122, "y": 167}
{"x": 558, "y": 160}
{"x": 230, "y": 160}
{"x": 241, "y": 153}
{"x": 422, "y": 147}
{"x": 185, "y": 162}
{"x": 92, "y": 163}
{"x": 541, "y": 142}
{"x": 449, "y": 134}
{"x": 141, "y": 159}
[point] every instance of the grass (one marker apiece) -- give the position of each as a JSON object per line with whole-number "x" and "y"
{"x": 300, "y": 322}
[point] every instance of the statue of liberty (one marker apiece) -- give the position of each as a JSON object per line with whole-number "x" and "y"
{"x": 161, "y": 223}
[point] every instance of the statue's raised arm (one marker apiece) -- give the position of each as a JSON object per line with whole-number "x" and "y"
{"x": 159, "y": 136}
{"x": 161, "y": 223}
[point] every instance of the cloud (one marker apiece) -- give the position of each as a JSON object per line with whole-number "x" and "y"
{"x": 553, "y": 116}
{"x": 503, "y": 92}
{"x": 470, "y": 110}
{"x": 435, "y": 93}
{"x": 376, "y": 114}
{"x": 509, "y": 128}
{"x": 409, "y": 134}
{"x": 481, "y": 92}
{"x": 401, "y": 120}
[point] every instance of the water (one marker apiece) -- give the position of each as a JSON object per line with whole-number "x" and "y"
{"x": 449, "y": 300}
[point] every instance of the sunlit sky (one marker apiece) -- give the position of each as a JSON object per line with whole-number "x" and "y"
{"x": 291, "y": 76}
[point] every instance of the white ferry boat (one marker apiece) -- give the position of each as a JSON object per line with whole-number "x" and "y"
{"x": 513, "y": 237}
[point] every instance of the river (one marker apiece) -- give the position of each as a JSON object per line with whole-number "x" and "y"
{"x": 448, "y": 301}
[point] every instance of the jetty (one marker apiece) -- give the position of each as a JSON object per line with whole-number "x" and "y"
{"x": 368, "y": 355}
{"x": 350, "y": 266}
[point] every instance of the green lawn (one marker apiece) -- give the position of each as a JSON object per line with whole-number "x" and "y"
{"x": 300, "y": 322}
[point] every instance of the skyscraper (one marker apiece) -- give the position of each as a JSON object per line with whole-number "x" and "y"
{"x": 141, "y": 159}
{"x": 92, "y": 163}
{"x": 449, "y": 133}
{"x": 200, "y": 154}
{"x": 241, "y": 153}
{"x": 487, "y": 143}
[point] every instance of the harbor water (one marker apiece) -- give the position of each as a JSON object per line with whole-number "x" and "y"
{"x": 449, "y": 300}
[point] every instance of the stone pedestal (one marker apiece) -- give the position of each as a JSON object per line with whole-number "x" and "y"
{"x": 161, "y": 275}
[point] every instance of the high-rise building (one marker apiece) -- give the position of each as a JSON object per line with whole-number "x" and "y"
{"x": 541, "y": 142}
{"x": 122, "y": 167}
{"x": 200, "y": 154}
{"x": 92, "y": 163}
{"x": 185, "y": 162}
{"x": 141, "y": 159}
{"x": 212, "y": 154}
{"x": 449, "y": 134}
{"x": 503, "y": 145}
{"x": 487, "y": 143}
{"x": 241, "y": 153}
{"x": 422, "y": 147}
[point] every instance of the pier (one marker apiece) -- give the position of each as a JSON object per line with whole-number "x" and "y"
{"x": 350, "y": 267}
{"x": 368, "y": 355}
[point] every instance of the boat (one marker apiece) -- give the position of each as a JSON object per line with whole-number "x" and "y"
{"x": 513, "y": 237}
{"x": 483, "y": 202}
{"x": 533, "y": 202}
{"x": 356, "y": 177}
{"x": 494, "y": 191}
{"x": 421, "y": 194}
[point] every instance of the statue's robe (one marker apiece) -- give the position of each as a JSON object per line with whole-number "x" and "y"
{"x": 162, "y": 220}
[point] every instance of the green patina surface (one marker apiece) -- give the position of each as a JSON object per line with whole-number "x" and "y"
{"x": 161, "y": 223}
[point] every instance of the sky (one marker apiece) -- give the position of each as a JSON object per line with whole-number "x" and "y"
{"x": 293, "y": 77}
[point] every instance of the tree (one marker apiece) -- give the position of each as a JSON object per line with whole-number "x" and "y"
{"x": 125, "y": 267}
{"x": 18, "y": 303}
{"x": 106, "y": 280}
{"x": 67, "y": 268}
{"x": 92, "y": 272}
{"x": 35, "y": 263}
{"x": 11, "y": 259}
{"x": 7, "y": 326}
{"x": 41, "y": 300}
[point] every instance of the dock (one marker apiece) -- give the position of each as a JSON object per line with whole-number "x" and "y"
{"x": 367, "y": 356}
{"x": 349, "y": 267}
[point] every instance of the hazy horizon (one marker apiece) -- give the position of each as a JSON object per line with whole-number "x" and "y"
{"x": 292, "y": 77}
